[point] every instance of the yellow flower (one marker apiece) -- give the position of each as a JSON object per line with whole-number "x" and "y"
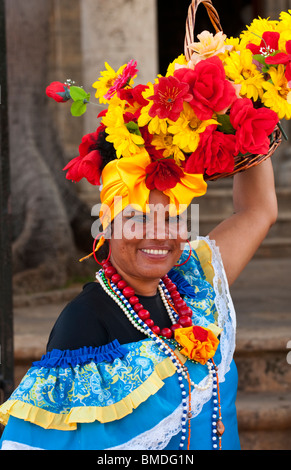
{"x": 106, "y": 81}
{"x": 255, "y": 31}
{"x": 234, "y": 43}
{"x": 126, "y": 143}
{"x": 208, "y": 46}
{"x": 164, "y": 141}
{"x": 278, "y": 95}
{"x": 285, "y": 21}
{"x": 144, "y": 117}
{"x": 181, "y": 60}
{"x": 240, "y": 68}
{"x": 187, "y": 129}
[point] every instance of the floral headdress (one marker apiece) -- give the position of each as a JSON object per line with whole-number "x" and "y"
{"x": 224, "y": 102}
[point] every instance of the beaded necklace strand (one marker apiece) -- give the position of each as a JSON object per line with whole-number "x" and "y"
{"x": 142, "y": 322}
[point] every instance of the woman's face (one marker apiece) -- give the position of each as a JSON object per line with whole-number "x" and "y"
{"x": 146, "y": 246}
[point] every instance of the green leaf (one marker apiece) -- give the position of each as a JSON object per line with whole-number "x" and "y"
{"x": 260, "y": 58}
{"x": 225, "y": 125}
{"x": 77, "y": 93}
{"x": 133, "y": 128}
{"x": 78, "y": 108}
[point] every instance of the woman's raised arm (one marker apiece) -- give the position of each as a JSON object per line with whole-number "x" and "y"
{"x": 255, "y": 211}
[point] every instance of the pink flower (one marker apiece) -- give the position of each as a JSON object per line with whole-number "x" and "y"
{"x": 169, "y": 96}
{"x": 253, "y": 127}
{"x": 210, "y": 90}
{"x": 123, "y": 79}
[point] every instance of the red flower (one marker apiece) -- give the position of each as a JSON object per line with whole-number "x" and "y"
{"x": 72, "y": 168}
{"x": 58, "y": 91}
{"x": 123, "y": 79}
{"x": 253, "y": 126}
{"x": 163, "y": 174}
{"x": 215, "y": 153}
{"x": 134, "y": 95}
{"x": 88, "y": 164}
{"x": 200, "y": 333}
{"x": 134, "y": 98}
{"x": 282, "y": 58}
{"x": 154, "y": 153}
{"x": 168, "y": 98}
{"x": 210, "y": 90}
{"x": 269, "y": 43}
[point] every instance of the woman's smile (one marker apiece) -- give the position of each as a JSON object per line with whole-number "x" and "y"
{"x": 155, "y": 251}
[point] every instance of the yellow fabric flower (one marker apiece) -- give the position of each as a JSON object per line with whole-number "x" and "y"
{"x": 124, "y": 183}
{"x": 239, "y": 67}
{"x": 199, "y": 343}
{"x": 187, "y": 129}
{"x": 278, "y": 95}
{"x": 106, "y": 81}
{"x": 125, "y": 142}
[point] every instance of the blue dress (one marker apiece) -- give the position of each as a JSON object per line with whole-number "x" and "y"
{"x": 127, "y": 396}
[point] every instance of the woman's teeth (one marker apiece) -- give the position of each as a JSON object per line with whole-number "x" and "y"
{"x": 155, "y": 252}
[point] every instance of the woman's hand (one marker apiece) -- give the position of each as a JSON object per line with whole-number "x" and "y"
{"x": 255, "y": 211}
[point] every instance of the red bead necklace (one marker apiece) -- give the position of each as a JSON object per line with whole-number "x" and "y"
{"x": 177, "y": 303}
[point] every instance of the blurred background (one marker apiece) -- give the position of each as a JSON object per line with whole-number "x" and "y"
{"x": 45, "y": 224}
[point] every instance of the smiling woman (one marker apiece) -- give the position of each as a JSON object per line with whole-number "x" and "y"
{"x": 142, "y": 358}
{"x": 155, "y": 248}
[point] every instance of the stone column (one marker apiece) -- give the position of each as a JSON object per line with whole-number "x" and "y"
{"x": 116, "y": 32}
{"x": 65, "y": 63}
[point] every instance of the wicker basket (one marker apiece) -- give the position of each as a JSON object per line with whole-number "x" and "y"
{"x": 247, "y": 161}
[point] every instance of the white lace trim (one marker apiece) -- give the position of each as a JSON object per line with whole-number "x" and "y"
{"x": 12, "y": 445}
{"x": 158, "y": 437}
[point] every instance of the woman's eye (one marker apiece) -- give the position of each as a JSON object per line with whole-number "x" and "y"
{"x": 140, "y": 218}
{"x": 174, "y": 220}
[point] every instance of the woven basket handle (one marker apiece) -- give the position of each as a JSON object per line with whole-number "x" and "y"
{"x": 190, "y": 23}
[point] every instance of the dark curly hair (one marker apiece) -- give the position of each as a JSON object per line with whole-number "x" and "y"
{"x": 105, "y": 148}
